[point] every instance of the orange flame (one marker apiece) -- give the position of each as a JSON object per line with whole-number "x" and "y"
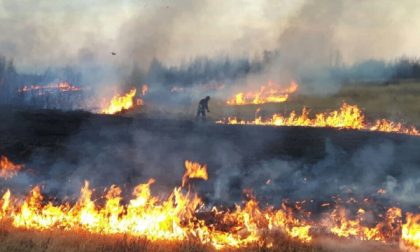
{"x": 270, "y": 93}
{"x": 174, "y": 218}
{"x": 7, "y": 168}
{"x": 119, "y": 103}
{"x": 194, "y": 170}
{"x": 347, "y": 117}
{"x": 411, "y": 231}
{"x": 343, "y": 227}
{"x": 60, "y": 86}
{"x": 169, "y": 218}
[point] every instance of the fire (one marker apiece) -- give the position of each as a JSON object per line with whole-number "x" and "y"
{"x": 7, "y": 168}
{"x": 155, "y": 218}
{"x": 194, "y": 170}
{"x": 60, "y": 86}
{"x": 355, "y": 228}
{"x": 385, "y": 125}
{"x": 347, "y": 117}
{"x": 175, "y": 217}
{"x": 119, "y": 103}
{"x": 126, "y": 101}
{"x": 270, "y": 93}
{"x": 411, "y": 231}
{"x": 5, "y": 202}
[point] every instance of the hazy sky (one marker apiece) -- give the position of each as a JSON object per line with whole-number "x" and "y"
{"x": 39, "y": 33}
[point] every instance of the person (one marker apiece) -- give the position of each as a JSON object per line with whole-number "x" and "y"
{"x": 203, "y": 106}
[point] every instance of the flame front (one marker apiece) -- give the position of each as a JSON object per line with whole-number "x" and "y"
{"x": 7, "y": 168}
{"x": 270, "y": 93}
{"x": 347, "y": 117}
{"x": 175, "y": 218}
{"x": 60, "y": 86}
{"x": 387, "y": 230}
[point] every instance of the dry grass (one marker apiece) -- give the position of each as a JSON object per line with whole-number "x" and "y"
{"x": 399, "y": 102}
{"x": 18, "y": 239}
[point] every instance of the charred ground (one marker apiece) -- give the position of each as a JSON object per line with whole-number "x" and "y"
{"x": 302, "y": 163}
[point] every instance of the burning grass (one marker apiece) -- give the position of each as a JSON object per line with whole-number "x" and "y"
{"x": 119, "y": 103}
{"x": 122, "y": 102}
{"x": 346, "y": 117}
{"x": 22, "y": 239}
{"x": 270, "y": 93}
{"x": 181, "y": 221}
{"x": 396, "y": 101}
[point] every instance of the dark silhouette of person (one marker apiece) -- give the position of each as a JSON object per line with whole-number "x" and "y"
{"x": 203, "y": 106}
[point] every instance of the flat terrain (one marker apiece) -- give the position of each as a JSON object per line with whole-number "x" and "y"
{"x": 62, "y": 149}
{"x": 397, "y": 101}
{"x": 16, "y": 240}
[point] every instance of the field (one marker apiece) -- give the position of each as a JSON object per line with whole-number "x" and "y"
{"x": 16, "y": 240}
{"x": 397, "y": 101}
{"x": 56, "y": 146}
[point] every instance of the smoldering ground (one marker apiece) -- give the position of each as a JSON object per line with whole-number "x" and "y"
{"x": 276, "y": 163}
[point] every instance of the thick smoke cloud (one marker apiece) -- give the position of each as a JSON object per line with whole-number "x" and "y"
{"x": 45, "y": 33}
{"x": 306, "y": 46}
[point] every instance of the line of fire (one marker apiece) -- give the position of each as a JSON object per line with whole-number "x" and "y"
{"x": 229, "y": 125}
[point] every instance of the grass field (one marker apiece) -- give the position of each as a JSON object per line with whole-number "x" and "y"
{"x": 18, "y": 239}
{"x": 400, "y": 102}
{"x": 394, "y": 101}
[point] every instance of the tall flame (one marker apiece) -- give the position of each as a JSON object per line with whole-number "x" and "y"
{"x": 126, "y": 101}
{"x": 119, "y": 103}
{"x": 411, "y": 231}
{"x": 194, "y": 170}
{"x": 7, "y": 168}
{"x": 347, "y": 117}
{"x": 175, "y": 218}
{"x": 270, "y": 93}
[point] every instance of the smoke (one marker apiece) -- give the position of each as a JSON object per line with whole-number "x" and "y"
{"x": 277, "y": 164}
{"x": 308, "y": 35}
{"x": 306, "y": 46}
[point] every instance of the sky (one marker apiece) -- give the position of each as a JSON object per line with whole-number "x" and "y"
{"x": 40, "y": 33}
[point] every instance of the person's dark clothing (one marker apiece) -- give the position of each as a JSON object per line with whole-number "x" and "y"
{"x": 203, "y": 106}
